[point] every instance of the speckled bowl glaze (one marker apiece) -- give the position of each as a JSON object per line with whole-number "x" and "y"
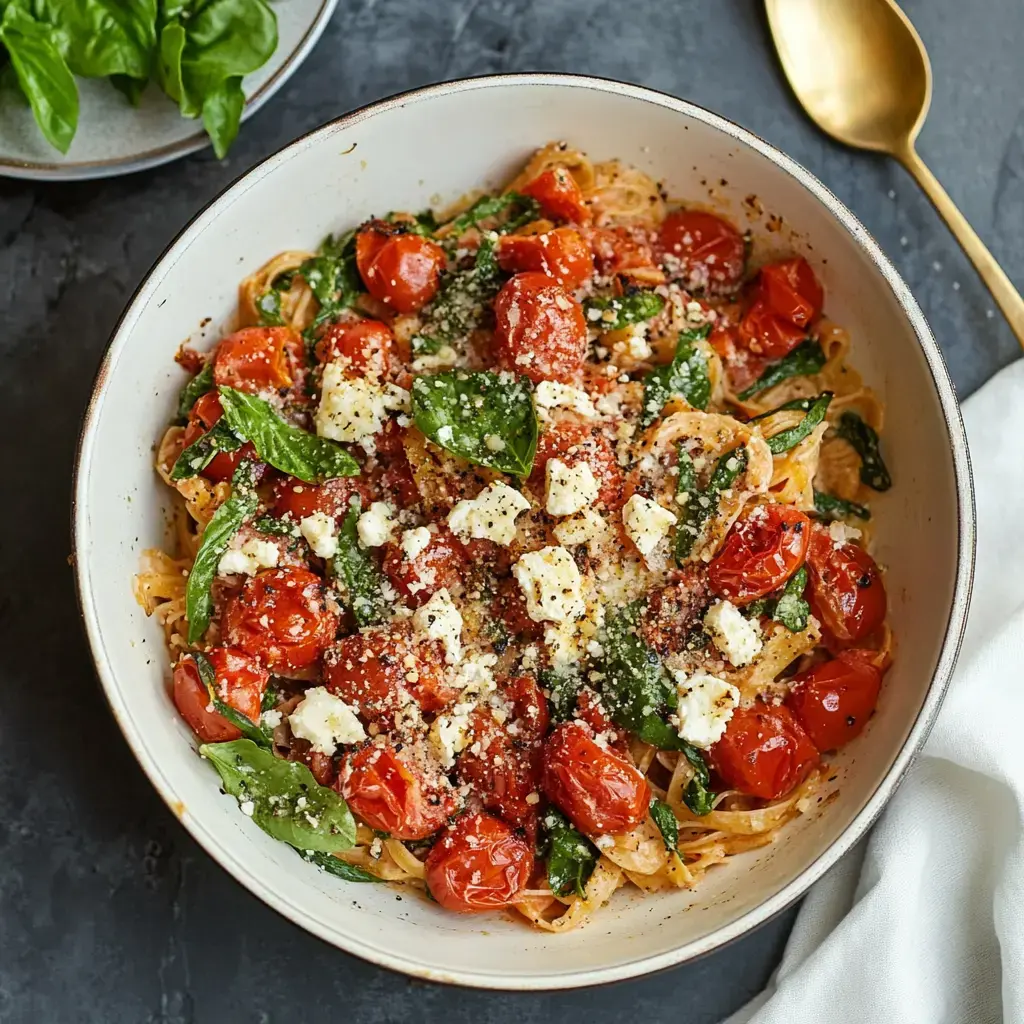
{"x": 410, "y": 151}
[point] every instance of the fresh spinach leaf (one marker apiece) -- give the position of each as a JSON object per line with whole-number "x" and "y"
{"x": 423, "y": 223}
{"x": 804, "y": 361}
{"x": 282, "y": 797}
{"x": 222, "y": 114}
{"x": 277, "y": 527}
{"x": 829, "y": 507}
{"x": 355, "y": 567}
{"x": 248, "y": 729}
{"x": 571, "y": 857}
{"x": 791, "y": 609}
{"x": 701, "y": 505}
{"x": 686, "y": 375}
{"x": 195, "y": 389}
{"x": 863, "y": 439}
{"x": 333, "y": 866}
{"x": 216, "y": 536}
{"x": 285, "y": 447}
{"x": 487, "y": 418}
{"x": 787, "y": 439}
{"x": 668, "y": 825}
{"x": 697, "y": 795}
{"x": 563, "y": 686}
{"x": 42, "y": 74}
{"x": 491, "y": 206}
{"x": 202, "y": 451}
{"x": 617, "y": 312}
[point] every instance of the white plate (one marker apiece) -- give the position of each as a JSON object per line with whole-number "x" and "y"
{"x": 405, "y": 153}
{"x": 114, "y": 137}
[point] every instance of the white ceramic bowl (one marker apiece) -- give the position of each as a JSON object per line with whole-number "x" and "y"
{"x": 434, "y": 145}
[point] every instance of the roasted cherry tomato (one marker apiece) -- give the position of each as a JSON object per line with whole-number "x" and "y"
{"x": 592, "y": 712}
{"x": 833, "y": 701}
{"x": 297, "y": 499}
{"x": 392, "y": 794}
{"x": 573, "y": 443}
{"x": 259, "y": 359}
{"x": 478, "y": 864}
{"x": 764, "y": 752}
{"x": 204, "y": 414}
{"x": 361, "y": 347}
{"x": 847, "y": 593}
{"x": 281, "y": 616}
{"x": 616, "y": 250}
{"x": 673, "y": 610}
{"x": 239, "y": 681}
{"x": 742, "y": 366}
{"x": 374, "y": 670}
{"x": 762, "y": 550}
{"x": 561, "y": 254}
{"x": 540, "y": 329}
{"x": 600, "y": 792}
{"x": 441, "y": 564}
{"x": 768, "y": 335}
{"x": 702, "y": 249}
{"x": 401, "y": 269}
{"x": 510, "y": 608}
{"x": 559, "y": 196}
{"x": 792, "y": 291}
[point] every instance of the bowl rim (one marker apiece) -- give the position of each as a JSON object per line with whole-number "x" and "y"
{"x": 952, "y": 633}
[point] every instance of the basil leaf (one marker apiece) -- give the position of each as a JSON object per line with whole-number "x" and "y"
{"x": 563, "y": 686}
{"x": 248, "y": 729}
{"x": 490, "y": 206}
{"x": 803, "y": 404}
{"x": 804, "y": 361}
{"x": 216, "y": 537}
{"x": 571, "y": 857}
{"x": 468, "y": 413}
{"x": 355, "y": 567}
{"x": 697, "y": 795}
{"x": 287, "y": 448}
{"x": 286, "y": 801}
{"x": 268, "y": 306}
{"x": 222, "y": 114}
{"x": 864, "y": 440}
{"x": 668, "y": 825}
{"x": 787, "y": 439}
{"x": 202, "y": 451}
{"x": 829, "y": 507}
{"x": 613, "y": 314}
{"x": 701, "y": 505}
{"x": 195, "y": 389}
{"x": 686, "y": 375}
{"x": 42, "y": 74}
{"x": 791, "y": 609}
{"x": 277, "y": 527}
{"x": 333, "y": 866}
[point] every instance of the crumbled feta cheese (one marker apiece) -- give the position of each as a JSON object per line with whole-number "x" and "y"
{"x": 247, "y": 807}
{"x": 374, "y": 526}
{"x": 636, "y": 342}
{"x": 706, "y": 704}
{"x": 474, "y": 675}
{"x": 550, "y": 394}
{"x": 249, "y": 557}
{"x": 842, "y": 534}
{"x": 569, "y": 488}
{"x": 646, "y": 522}
{"x": 350, "y": 409}
{"x": 551, "y": 584}
{"x": 397, "y": 399}
{"x": 325, "y": 720}
{"x": 733, "y": 633}
{"x": 439, "y": 619}
{"x": 271, "y": 719}
{"x": 585, "y": 525}
{"x": 491, "y": 515}
{"x": 604, "y": 842}
{"x": 449, "y": 733}
{"x": 416, "y": 541}
{"x": 319, "y": 531}
{"x": 494, "y": 443}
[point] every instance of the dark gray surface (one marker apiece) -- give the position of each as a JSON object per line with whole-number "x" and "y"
{"x": 108, "y": 910}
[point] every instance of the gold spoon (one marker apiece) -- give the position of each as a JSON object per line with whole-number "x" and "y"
{"x": 861, "y": 72}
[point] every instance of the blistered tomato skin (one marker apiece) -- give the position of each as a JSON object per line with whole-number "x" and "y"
{"x": 296, "y": 499}
{"x": 441, "y": 565}
{"x": 540, "y": 329}
{"x": 600, "y": 792}
{"x": 573, "y": 443}
{"x": 239, "y": 681}
{"x": 562, "y": 254}
{"x": 402, "y": 270}
{"x": 281, "y": 617}
{"x": 702, "y": 249}
{"x": 616, "y": 250}
{"x": 478, "y": 864}
{"x": 559, "y": 196}
{"x": 204, "y": 414}
{"x": 258, "y": 358}
{"x": 833, "y": 701}
{"x": 362, "y": 347}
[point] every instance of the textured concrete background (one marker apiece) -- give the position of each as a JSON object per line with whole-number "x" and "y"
{"x": 108, "y": 911}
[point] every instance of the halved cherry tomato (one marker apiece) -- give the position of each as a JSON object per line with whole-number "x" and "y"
{"x": 764, "y": 752}
{"x": 561, "y": 254}
{"x": 833, "y": 701}
{"x": 792, "y": 291}
{"x": 203, "y": 415}
{"x": 573, "y": 443}
{"x": 615, "y": 250}
{"x": 742, "y": 366}
{"x": 361, "y": 347}
{"x": 600, "y": 792}
{"x": 441, "y": 564}
{"x": 701, "y": 248}
{"x": 761, "y": 551}
{"x": 847, "y": 593}
{"x": 559, "y": 196}
{"x": 281, "y": 616}
{"x": 478, "y": 864}
{"x": 591, "y": 711}
{"x": 510, "y": 607}
{"x": 377, "y": 668}
{"x": 259, "y": 358}
{"x": 392, "y": 794}
{"x": 239, "y": 682}
{"x": 401, "y": 269}
{"x": 297, "y": 499}
{"x": 540, "y": 329}
{"x": 672, "y": 610}
{"x": 768, "y": 335}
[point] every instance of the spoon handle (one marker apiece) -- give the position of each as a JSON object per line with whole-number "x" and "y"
{"x": 1007, "y": 297}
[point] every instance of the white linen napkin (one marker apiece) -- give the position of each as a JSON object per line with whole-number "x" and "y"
{"x": 923, "y": 923}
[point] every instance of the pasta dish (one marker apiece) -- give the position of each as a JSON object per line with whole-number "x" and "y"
{"x": 521, "y": 551}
